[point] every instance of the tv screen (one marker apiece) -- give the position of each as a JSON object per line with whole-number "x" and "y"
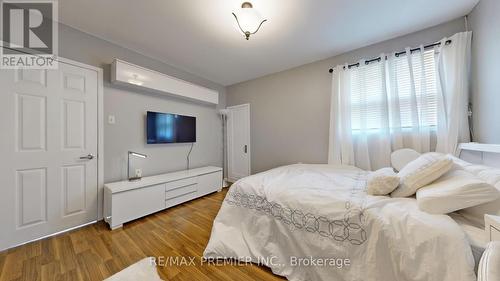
{"x": 170, "y": 128}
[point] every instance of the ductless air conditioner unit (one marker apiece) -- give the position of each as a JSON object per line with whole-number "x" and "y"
{"x": 125, "y": 73}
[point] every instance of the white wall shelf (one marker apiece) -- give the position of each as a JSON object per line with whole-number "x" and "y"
{"x": 125, "y": 73}
{"x": 480, "y": 153}
{"x": 482, "y": 147}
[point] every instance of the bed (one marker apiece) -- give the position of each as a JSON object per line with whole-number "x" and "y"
{"x": 475, "y": 235}
{"x": 316, "y": 222}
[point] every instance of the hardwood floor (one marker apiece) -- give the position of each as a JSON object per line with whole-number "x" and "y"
{"x": 94, "y": 252}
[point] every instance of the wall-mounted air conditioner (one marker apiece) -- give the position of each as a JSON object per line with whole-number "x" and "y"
{"x": 125, "y": 73}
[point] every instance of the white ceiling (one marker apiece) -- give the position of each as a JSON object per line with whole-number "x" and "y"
{"x": 199, "y": 36}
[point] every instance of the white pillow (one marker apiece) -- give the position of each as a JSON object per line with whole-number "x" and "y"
{"x": 401, "y": 157}
{"x": 456, "y": 190}
{"x": 458, "y": 161}
{"x": 476, "y": 213}
{"x": 421, "y": 171}
{"x": 489, "y": 266}
{"x": 469, "y": 167}
{"x": 382, "y": 181}
{"x": 144, "y": 269}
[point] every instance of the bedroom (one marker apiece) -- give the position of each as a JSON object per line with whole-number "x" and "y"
{"x": 260, "y": 140}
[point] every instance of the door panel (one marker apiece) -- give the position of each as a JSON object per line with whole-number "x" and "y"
{"x": 238, "y": 129}
{"x": 74, "y": 82}
{"x": 73, "y": 130}
{"x": 36, "y": 76}
{"x": 73, "y": 182}
{"x": 31, "y": 196}
{"x": 30, "y": 122}
{"x": 48, "y": 120}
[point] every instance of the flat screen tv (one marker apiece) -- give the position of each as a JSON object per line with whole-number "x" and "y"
{"x": 170, "y": 128}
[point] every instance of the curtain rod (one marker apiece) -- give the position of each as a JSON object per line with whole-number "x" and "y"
{"x": 397, "y": 55}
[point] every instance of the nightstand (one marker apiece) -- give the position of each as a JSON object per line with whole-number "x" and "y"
{"x": 492, "y": 227}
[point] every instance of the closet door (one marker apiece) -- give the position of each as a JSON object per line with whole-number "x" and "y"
{"x": 48, "y": 148}
{"x": 238, "y": 141}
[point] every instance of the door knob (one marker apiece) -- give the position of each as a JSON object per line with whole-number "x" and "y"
{"x": 87, "y": 157}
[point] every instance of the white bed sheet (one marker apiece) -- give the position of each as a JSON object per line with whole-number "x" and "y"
{"x": 475, "y": 235}
{"x": 323, "y": 211}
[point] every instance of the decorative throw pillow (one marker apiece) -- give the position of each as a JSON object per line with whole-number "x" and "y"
{"x": 401, "y": 157}
{"x": 420, "y": 172}
{"x": 456, "y": 190}
{"x": 382, "y": 181}
{"x": 489, "y": 266}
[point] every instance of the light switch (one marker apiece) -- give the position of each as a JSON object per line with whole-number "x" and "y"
{"x": 111, "y": 119}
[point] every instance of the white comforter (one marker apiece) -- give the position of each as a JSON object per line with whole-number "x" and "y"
{"x": 322, "y": 214}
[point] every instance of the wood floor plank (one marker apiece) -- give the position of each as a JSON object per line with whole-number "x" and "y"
{"x": 3, "y": 256}
{"x": 88, "y": 266}
{"x": 94, "y": 252}
{"x": 65, "y": 253}
{"x": 50, "y": 271}
{"x": 49, "y": 252}
{"x": 32, "y": 269}
{"x": 13, "y": 264}
{"x": 73, "y": 275}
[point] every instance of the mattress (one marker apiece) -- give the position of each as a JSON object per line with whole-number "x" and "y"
{"x": 475, "y": 235}
{"x": 308, "y": 212}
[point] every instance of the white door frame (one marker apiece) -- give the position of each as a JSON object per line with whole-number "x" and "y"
{"x": 229, "y": 141}
{"x": 100, "y": 132}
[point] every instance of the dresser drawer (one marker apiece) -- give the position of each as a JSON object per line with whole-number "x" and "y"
{"x": 180, "y": 199}
{"x": 180, "y": 183}
{"x": 176, "y": 192}
{"x": 209, "y": 183}
{"x": 133, "y": 204}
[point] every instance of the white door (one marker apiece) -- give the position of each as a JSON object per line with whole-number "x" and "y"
{"x": 238, "y": 141}
{"x": 48, "y": 148}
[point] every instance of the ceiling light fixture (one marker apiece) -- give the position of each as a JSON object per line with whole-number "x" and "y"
{"x": 248, "y": 19}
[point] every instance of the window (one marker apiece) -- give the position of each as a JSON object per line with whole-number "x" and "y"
{"x": 372, "y": 93}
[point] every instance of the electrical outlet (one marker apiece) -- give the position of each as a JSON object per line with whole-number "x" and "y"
{"x": 138, "y": 173}
{"x": 111, "y": 119}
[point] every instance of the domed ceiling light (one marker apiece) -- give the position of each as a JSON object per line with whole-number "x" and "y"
{"x": 248, "y": 19}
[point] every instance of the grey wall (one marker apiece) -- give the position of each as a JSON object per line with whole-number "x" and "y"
{"x": 484, "y": 21}
{"x": 129, "y": 107}
{"x": 290, "y": 109}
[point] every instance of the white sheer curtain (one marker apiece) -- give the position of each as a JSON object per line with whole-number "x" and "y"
{"x": 454, "y": 65}
{"x": 416, "y": 100}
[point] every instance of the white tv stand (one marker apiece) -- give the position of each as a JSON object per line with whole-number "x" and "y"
{"x": 125, "y": 201}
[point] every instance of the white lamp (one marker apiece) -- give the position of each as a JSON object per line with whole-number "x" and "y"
{"x": 136, "y": 154}
{"x": 223, "y": 114}
{"x": 248, "y": 19}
